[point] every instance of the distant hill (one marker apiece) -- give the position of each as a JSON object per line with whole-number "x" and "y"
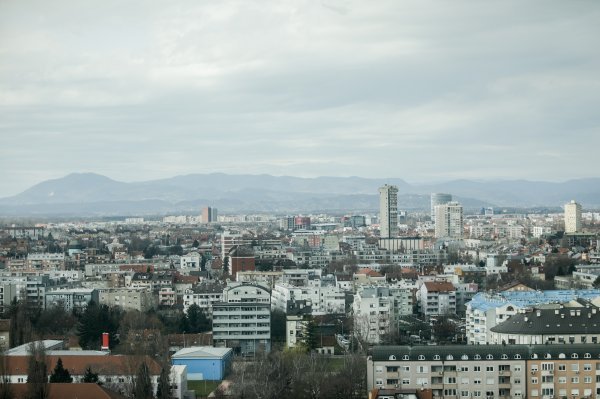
{"x": 93, "y": 194}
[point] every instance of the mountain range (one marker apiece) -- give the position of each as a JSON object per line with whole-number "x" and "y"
{"x": 92, "y": 194}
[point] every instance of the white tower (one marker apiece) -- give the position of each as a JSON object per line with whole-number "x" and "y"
{"x": 388, "y": 211}
{"x": 572, "y": 217}
{"x": 438, "y": 199}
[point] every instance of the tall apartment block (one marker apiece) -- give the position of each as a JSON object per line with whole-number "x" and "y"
{"x": 449, "y": 220}
{"x": 388, "y": 211}
{"x": 209, "y": 214}
{"x": 572, "y": 217}
{"x": 438, "y": 199}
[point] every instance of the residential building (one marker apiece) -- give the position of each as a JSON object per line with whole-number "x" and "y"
{"x": 127, "y": 298}
{"x": 438, "y": 199}
{"x": 449, "y": 220}
{"x": 243, "y": 320}
{"x": 572, "y": 217}
{"x": 556, "y": 325}
{"x": 487, "y": 310}
{"x": 437, "y": 298}
{"x": 241, "y": 259}
{"x": 388, "y": 211}
{"x": 488, "y": 371}
{"x": 209, "y": 214}
{"x": 73, "y": 299}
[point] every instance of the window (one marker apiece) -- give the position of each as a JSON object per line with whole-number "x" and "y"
{"x": 378, "y": 369}
{"x": 547, "y": 391}
{"x": 422, "y": 369}
{"x": 489, "y": 368}
{"x": 574, "y": 356}
{"x": 517, "y": 356}
{"x": 517, "y": 381}
{"x": 464, "y": 394}
{"x": 587, "y": 355}
{"x": 405, "y": 357}
{"x": 477, "y": 357}
{"x": 393, "y": 381}
{"x": 392, "y": 357}
{"x": 391, "y": 369}
{"x": 535, "y": 393}
{"x": 489, "y": 381}
{"x": 574, "y": 392}
{"x": 405, "y": 381}
{"x": 489, "y": 357}
{"x": 476, "y": 368}
{"x": 574, "y": 367}
{"x": 406, "y": 368}
{"x": 421, "y": 357}
{"x": 562, "y": 380}
{"x": 587, "y": 367}
{"x": 477, "y": 381}
{"x": 547, "y": 378}
{"x": 517, "y": 368}
{"x": 464, "y": 381}
{"x": 476, "y": 394}
{"x": 587, "y": 380}
{"x": 451, "y": 380}
{"x": 575, "y": 380}
{"x": 379, "y": 381}
{"x": 562, "y": 367}
{"x": 436, "y": 357}
{"x": 464, "y": 368}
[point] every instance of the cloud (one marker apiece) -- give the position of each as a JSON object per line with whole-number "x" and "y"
{"x": 423, "y": 90}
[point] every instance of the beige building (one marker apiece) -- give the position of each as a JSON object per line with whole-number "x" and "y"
{"x": 572, "y": 217}
{"x": 449, "y": 220}
{"x": 489, "y": 371}
{"x": 127, "y": 298}
{"x": 388, "y": 211}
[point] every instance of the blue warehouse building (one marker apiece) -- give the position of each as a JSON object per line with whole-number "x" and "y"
{"x": 204, "y": 362}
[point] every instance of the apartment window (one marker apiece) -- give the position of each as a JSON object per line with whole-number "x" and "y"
{"x": 547, "y": 378}
{"x": 392, "y": 381}
{"x": 421, "y": 369}
{"x": 575, "y": 380}
{"x": 547, "y": 391}
{"x": 464, "y": 394}
{"x": 477, "y": 381}
{"x": 562, "y": 380}
{"x": 490, "y": 381}
{"x": 534, "y": 367}
{"x": 587, "y": 380}
{"x": 517, "y": 381}
{"x": 406, "y": 368}
{"x": 574, "y": 367}
{"x": 405, "y": 381}
{"x": 489, "y": 368}
{"x": 587, "y": 367}
{"x": 391, "y": 369}
{"x": 575, "y": 392}
{"x": 476, "y": 394}
{"x": 517, "y": 368}
{"x": 464, "y": 381}
{"x": 464, "y": 368}
{"x": 562, "y": 367}
{"x": 476, "y": 368}
{"x": 535, "y": 393}
{"x": 547, "y": 366}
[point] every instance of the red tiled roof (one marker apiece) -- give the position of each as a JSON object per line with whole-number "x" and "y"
{"x": 103, "y": 365}
{"x": 369, "y": 272}
{"x": 439, "y": 286}
{"x": 69, "y": 391}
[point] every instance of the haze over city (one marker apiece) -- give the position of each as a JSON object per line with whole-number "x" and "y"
{"x": 420, "y": 90}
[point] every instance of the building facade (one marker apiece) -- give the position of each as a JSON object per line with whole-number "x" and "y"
{"x": 449, "y": 220}
{"x": 388, "y": 211}
{"x": 572, "y": 217}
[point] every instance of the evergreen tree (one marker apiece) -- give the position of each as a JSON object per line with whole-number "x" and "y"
{"x": 164, "y": 384}
{"x": 197, "y": 320}
{"x": 143, "y": 385}
{"x": 95, "y": 320}
{"x": 196, "y": 244}
{"x": 226, "y": 266}
{"x": 60, "y": 374}
{"x": 310, "y": 340}
{"x": 90, "y": 376}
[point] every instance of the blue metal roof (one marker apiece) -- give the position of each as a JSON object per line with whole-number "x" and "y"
{"x": 484, "y": 301}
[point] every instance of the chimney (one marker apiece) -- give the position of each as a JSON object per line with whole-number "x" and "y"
{"x": 538, "y": 313}
{"x": 105, "y": 340}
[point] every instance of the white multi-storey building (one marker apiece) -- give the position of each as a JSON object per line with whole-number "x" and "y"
{"x": 243, "y": 320}
{"x": 438, "y": 199}
{"x": 388, "y": 211}
{"x": 377, "y": 308}
{"x": 324, "y": 298}
{"x": 449, "y": 220}
{"x": 127, "y": 298}
{"x": 437, "y": 298}
{"x": 572, "y": 217}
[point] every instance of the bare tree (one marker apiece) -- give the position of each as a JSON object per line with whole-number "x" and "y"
{"x": 37, "y": 372}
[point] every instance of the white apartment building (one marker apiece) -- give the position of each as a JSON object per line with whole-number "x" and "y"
{"x": 243, "y": 320}
{"x": 388, "y": 211}
{"x": 70, "y": 299}
{"x": 572, "y": 217}
{"x": 449, "y": 220}
{"x": 204, "y": 297}
{"x": 46, "y": 261}
{"x": 437, "y": 298}
{"x": 189, "y": 262}
{"x": 324, "y": 298}
{"x": 126, "y": 298}
{"x": 377, "y": 308}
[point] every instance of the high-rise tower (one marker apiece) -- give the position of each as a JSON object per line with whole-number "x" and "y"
{"x": 438, "y": 199}
{"x": 572, "y": 217}
{"x": 388, "y": 211}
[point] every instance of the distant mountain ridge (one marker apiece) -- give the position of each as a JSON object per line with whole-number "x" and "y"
{"x": 84, "y": 193}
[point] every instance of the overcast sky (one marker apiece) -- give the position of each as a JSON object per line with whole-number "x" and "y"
{"x": 421, "y": 90}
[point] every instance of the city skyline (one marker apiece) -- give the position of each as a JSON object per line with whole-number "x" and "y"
{"x": 437, "y": 91}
